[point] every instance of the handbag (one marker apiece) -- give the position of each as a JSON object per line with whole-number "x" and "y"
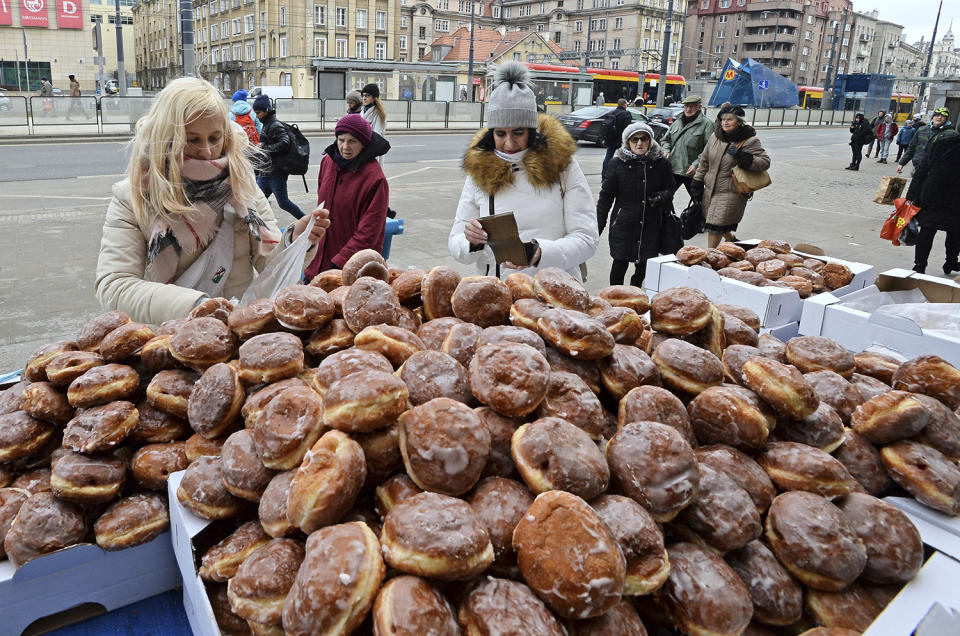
{"x": 671, "y": 233}
{"x": 692, "y": 220}
{"x": 746, "y": 182}
{"x": 898, "y": 220}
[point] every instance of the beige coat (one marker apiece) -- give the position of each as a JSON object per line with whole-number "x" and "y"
{"x": 722, "y": 204}
{"x": 122, "y": 264}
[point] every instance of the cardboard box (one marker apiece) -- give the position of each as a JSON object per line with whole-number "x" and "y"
{"x": 928, "y": 598}
{"x": 783, "y": 332}
{"x": 83, "y": 574}
{"x": 825, "y": 315}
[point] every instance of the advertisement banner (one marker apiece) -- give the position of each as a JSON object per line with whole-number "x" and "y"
{"x": 33, "y": 13}
{"x": 6, "y": 14}
{"x": 69, "y": 14}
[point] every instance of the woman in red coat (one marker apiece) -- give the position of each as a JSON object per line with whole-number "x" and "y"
{"x": 352, "y": 187}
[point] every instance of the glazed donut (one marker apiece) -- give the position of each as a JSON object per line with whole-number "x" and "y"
{"x": 436, "y": 536}
{"x": 336, "y": 297}
{"x": 925, "y": 473}
{"x": 849, "y": 611}
{"x": 525, "y": 313}
{"x": 889, "y": 417}
{"x": 588, "y": 370}
{"x": 408, "y": 605}
{"x": 262, "y": 581}
{"x": 203, "y": 492}
{"x": 381, "y": 453}
{"x": 863, "y": 461}
{"x": 777, "y": 597}
{"x": 36, "y": 368}
{"x": 303, "y": 308}
{"x": 869, "y": 387}
{"x": 520, "y": 285}
{"x": 482, "y": 300}
{"x": 778, "y": 246}
{"x": 795, "y": 466}
{"x": 792, "y": 260}
{"x": 328, "y": 280}
{"x": 10, "y": 501}
{"x": 553, "y": 454}
{"x": 243, "y": 472}
{"x": 877, "y": 365}
{"x": 409, "y": 319}
{"x": 433, "y": 374}
{"x": 655, "y": 404}
{"x": 627, "y": 368}
{"x": 652, "y": 464}
{"x": 691, "y": 255}
{"x": 835, "y": 275}
{"x": 711, "y": 337}
{"x": 215, "y": 401}
{"x": 392, "y": 491}
{"x": 370, "y": 301}
{"x": 86, "y": 480}
{"x": 254, "y": 318}
{"x": 434, "y": 332}
{"x": 327, "y": 482}
{"x": 814, "y": 541}
{"x": 169, "y": 391}
{"x": 198, "y": 446}
{"x": 33, "y": 482}
{"x": 502, "y": 606}
{"x": 258, "y": 400}
{"x": 780, "y": 386}
{"x": 124, "y": 341}
{"x": 343, "y": 363}
{"x": 510, "y": 378}
{"x": 732, "y": 415}
{"x": 640, "y": 539}
{"x": 501, "y": 503}
{"x": 507, "y": 333}
{"x": 772, "y": 269}
{"x": 798, "y": 283}
{"x": 815, "y": 279}
{"x": 272, "y": 509}
{"x": 733, "y": 251}
{"x": 558, "y": 288}
{"x": 742, "y": 469}
{"x": 679, "y": 311}
{"x": 95, "y": 329}
{"x": 501, "y": 429}
{"x": 894, "y": 548}
{"x": 201, "y": 343}
{"x": 100, "y": 428}
{"x": 66, "y": 367}
{"x": 687, "y": 368}
{"x": 406, "y": 286}
{"x": 833, "y": 389}
{"x": 569, "y": 398}
{"x": 10, "y": 398}
{"x": 220, "y": 562}
{"x": 337, "y": 582}
{"x": 772, "y": 348}
{"x": 219, "y": 308}
{"x": 823, "y": 429}
{"x": 44, "y": 524}
{"x": 103, "y": 384}
{"x": 549, "y": 539}
{"x": 332, "y": 337}
{"x": 364, "y": 401}
{"x": 134, "y": 520}
{"x": 722, "y": 517}
{"x": 270, "y": 357}
{"x": 396, "y": 343}
{"x": 815, "y": 353}
{"x": 758, "y": 255}
{"x": 753, "y": 278}
{"x": 155, "y": 355}
{"x": 626, "y": 296}
{"x": 929, "y": 375}
{"x": 42, "y": 401}
{"x": 227, "y": 622}
{"x": 152, "y": 464}
{"x": 357, "y": 261}
{"x": 737, "y": 332}
{"x": 436, "y": 290}
{"x": 943, "y": 428}
{"x": 285, "y": 431}
{"x": 624, "y": 324}
{"x": 716, "y": 259}
{"x": 741, "y": 266}
{"x": 576, "y": 334}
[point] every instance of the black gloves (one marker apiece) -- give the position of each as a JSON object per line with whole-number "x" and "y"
{"x": 744, "y": 160}
{"x": 658, "y": 198}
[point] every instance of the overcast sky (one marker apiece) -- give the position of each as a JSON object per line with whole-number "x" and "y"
{"x": 916, "y": 16}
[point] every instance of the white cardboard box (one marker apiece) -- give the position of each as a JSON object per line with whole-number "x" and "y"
{"x": 825, "y": 315}
{"x": 81, "y": 574}
{"x": 935, "y": 583}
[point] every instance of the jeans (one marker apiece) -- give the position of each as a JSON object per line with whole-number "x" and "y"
{"x": 870, "y": 146}
{"x": 619, "y": 269}
{"x": 611, "y": 148}
{"x": 925, "y": 243}
{"x": 884, "y": 148}
{"x": 278, "y": 186}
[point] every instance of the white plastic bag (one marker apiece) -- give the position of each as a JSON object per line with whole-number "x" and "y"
{"x": 284, "y": 270}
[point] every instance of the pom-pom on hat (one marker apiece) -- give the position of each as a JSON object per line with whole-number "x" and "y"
{"x": 371, "y": 89}
{"x": 512, "y": 102}
{"x": 240, "y": 96}
{"x": 356, "y": 125}
{"x": 262, "y": 104}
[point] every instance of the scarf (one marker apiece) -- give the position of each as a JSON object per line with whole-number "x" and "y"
{"x": 511, "y": 157}
{"x": 207, "y": 189}
{"x": 740, "y": 133}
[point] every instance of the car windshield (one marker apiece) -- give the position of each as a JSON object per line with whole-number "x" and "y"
{"x": 638, "y": 115}
{"x": 591, "y": 111}
{"x": 665, "y": 112}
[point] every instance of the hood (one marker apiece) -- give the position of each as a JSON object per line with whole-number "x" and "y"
{"x": 378, "y": 146}
{"x": 946, "y": 125}
{"x": 542, "y": 165}
{"x": 241, "y": 108}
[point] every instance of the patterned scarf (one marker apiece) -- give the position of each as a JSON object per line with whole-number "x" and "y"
{"x": 207, "y": 188}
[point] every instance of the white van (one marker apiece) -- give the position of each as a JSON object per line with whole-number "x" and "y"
{"x": 274, "y": 92}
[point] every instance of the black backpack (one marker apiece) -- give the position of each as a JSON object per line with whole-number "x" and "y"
{"x": 297, "y": 159}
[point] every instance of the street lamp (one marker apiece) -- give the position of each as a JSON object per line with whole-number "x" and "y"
{"x": 470, "y": 64}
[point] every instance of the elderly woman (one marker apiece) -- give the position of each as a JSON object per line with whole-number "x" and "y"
{"x": 352, "y": 184}
{"x": 734, "y": 143}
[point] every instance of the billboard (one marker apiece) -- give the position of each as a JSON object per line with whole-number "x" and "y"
{"x": 69, "y": 14}
{"x": 6, "y": 14}
{"x": 33, "y": 13}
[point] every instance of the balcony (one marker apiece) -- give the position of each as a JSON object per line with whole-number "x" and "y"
{"x": 232, "y": 65}
{"x": 754, "y": 20}
{"x": 767, "y": 38}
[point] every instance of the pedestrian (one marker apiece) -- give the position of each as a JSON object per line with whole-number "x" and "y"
{"x": 352, "y": 184}
{"x": 876, "y": 121}
{"x": 354, "y": 102}
{"x": 734, "y": 143}
{"x": 905, "y": 136}
{"x": 242, "y": 113}
{"x": 524, "y": 163}
{"x": 860, "y": 134}
{"x": 194, "y": 226}
{"x": 275, "y": 142}
{"x": 75, "y": 102}
{"x": 640, "y": 180}
{"x": 685, "y": 140}
{"x": 935, "y": 189}
{"x": 885, "y": 133}
{"x": 600, "y": 101}
{"x": 373, "y": 110}
{"x": 939, "y": 127}
{"x": 46, "y": 96}
{"x": 615, "y": 122}
{"x": 463, "y": 93}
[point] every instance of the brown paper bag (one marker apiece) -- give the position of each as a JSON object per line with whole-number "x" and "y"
{"x": 890, "y": 188}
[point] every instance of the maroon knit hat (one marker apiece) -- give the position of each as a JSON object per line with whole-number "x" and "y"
{"x": 356, "y": 125}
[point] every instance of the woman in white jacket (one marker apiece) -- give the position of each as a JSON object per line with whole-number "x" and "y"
{"x": 524, "y": 164}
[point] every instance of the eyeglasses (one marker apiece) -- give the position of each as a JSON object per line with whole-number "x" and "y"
{"x": 636, "y": 140}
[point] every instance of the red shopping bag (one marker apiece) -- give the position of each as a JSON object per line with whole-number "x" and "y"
{"x": 902, "y": 214}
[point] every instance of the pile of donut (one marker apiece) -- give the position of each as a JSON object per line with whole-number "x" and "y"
{"x": 414, "y": 452}
{"x": 771, "y": 263}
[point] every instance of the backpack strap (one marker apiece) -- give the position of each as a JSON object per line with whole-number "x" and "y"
{"x": 490, "y": 213}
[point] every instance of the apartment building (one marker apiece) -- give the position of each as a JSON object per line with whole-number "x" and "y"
{"x": 945, "y": 61}
{"x": 156, "y": 25}
{"x": 875, "y": 40}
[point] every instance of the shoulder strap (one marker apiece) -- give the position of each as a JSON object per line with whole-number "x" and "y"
{"x": 490, "y": 213}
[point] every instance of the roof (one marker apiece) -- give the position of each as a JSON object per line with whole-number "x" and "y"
{"x": 487, "y": 43}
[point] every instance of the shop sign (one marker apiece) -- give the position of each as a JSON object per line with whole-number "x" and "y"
{"x": 33, "y": 13}
{"x": 69, "y": 14}
{"x": 6, "y": 15}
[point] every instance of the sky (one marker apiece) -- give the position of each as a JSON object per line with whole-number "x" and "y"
{"x": 916, "y": 16}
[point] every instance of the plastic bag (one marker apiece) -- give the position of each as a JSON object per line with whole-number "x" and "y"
{"x": 898, "y": 219}
{"x": 940, "y": 317}
{"x": 284, "y": 270}
{"x": 910, "y": 233}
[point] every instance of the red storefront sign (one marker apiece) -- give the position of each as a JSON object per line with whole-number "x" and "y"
{"x": 33, "y": 13}
{"x": 6, "y": 15}
{"x": 69, "y": 14}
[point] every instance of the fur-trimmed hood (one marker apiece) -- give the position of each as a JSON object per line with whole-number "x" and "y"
{"x": 543, "y": 165}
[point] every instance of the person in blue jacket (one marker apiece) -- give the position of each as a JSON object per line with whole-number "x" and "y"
{"x": 241, "y": 107}
{"x": 904, "y": 137}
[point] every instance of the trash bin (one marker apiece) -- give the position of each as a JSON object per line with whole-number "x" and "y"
{"x": 394, "y": 226}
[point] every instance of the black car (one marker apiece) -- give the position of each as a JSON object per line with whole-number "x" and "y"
{"x": 588, "y": 124}
{"x": 665, "y": 115}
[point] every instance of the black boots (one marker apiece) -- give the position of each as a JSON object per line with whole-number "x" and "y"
{"x": 852, "y": 166}
{"x": 949, "y": 268}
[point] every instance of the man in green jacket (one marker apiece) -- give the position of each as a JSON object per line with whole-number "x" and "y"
{"x": 939, "y": 127}
{"x": 686, "y": 139}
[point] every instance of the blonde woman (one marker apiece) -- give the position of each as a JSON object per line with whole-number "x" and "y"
{"x": 189, "y": 222}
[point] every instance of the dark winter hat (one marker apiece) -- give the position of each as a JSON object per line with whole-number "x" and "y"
{"x": 512, "y": 102}
{"x": 240, "y": 96}
{"x": 372, "y": 90}
{"x": 262, "y": 103}
{"x": 943, "y": 112}
{"x": 353, "y": 97}
{"x": 356, "y": 125}
{"x": 736, "y": 111}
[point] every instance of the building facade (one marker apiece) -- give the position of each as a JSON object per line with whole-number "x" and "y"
{"x": 945, "y": 61}
{"x": 158, "y": 53}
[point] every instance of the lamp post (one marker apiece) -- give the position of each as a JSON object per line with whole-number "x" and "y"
{"x": 665, "y": 57}
{"x": 470, "y": 63}
{"x": 926, "y": 68}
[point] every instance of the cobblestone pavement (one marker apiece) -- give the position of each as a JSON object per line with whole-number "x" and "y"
{"x": 50, "y": 228}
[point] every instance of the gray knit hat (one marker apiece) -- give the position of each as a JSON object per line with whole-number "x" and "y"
{"x": 512, "y": 102}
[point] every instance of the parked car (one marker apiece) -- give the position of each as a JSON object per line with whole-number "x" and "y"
{"x": 665, "y": 115}
{"x": 4, "y": 102}
{"x": 111, "y": 87}
{"x": 588, "y": 124}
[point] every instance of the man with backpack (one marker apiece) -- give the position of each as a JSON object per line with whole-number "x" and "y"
{"x": 242, "y": 113}
{"x": 615, "y": 122}
{"x": 276, "y": 143}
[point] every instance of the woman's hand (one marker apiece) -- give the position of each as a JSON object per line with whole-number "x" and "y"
{"x": 533, "y": 262}
{"x": 474, "y": 233}
{"x": 322, "y": 216}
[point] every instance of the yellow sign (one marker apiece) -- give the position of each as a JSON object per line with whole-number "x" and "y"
{"x": 730, "y": 74}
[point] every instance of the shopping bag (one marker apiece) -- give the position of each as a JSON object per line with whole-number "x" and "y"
{"x": 746, "y": 182}
{"x": 910, "y": 232}
{"x": 692, "y": 220}
{"x": 671, "y": 233}
{"x": 890, "y": 188}
{"x": 284, "y": 270}
{"x": 898, "y": 220}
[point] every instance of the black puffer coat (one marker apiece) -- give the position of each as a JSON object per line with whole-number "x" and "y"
{"x": 635, "y": 221}
{"x": 936, "y": 188}
{"x": 275, "y": 142}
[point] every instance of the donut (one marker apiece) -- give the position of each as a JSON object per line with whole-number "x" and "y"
{"x": 406, "y": 286}
{"x": 627, "y": 368}
{"x": 501, "y": 503}
{"x": 711, "y": 337}
{"x": 396, "y": 343}
{"x": 133, "y": 520}
{"x": 251, "y": 319}
{"x": 560, "y": 289}
{"x": 869, "y": 387}
{"x": 257, "y": 401}
{"x": 364, "y": 401}
{"x": 342, "y": 363}
{"x": 777, "y": 246}
{"x": 742, "y": 469}
{"x": 392, "y": 491}
{"x": 220, "y": 562}
{"x": 357, "y": 261}
{"x": 370, "y": 301}
{"x": 929, "y": 375}
{"x": 270, "y": 357}
{"x": 942, "y": 431}
{"x": 433, "y": 374}
{"x": 215, "y": 401}
{"x": 733, "y": 359}
{"x": 877, "y": 365}
{"x": 553, "y": 454}
{"x": 716, "y": 259}
{"x": 510, "y": 378}
{"x": 461, "y": 342}
{"x": 815, "y": 279}
{"x": 691, "y": 255}
{"x": 823, "y": 429}
{"x": 203, "y": 492}
{"x": 336, "y": 297}
{"x": 833, "y": 389}
{"x": 835, "y": 275}
{"x": 272, "y": 510}
{"x": 155, "y": 355}
{"x": 798, "y": 283}
{"x": 43, "y": 524}
{"x": 227, "y": 622}
{"x": 152, "y": 464}
{"x": 507, "y": 333}
{"x": 436, "y": 536}
{"x": 285, "y": 431}
{"x": 381, "y": 452}
{"x": 219, "y": 308}
{"x": 777, "y": 598}
{"x": 11, "y": 397}
{"x": 704, "y": 595}
{"x": 100, "y": 428}
{"x": 42, "y": 401}
{"x": 434, "y": 332}
{"x": 525, "y": 313}
{"x": 36, "y": 368}
{"x": 640, "y": 539}
{"x": 815, "y": 353}
{"x": 814, "y": 541}
{"x": 741, "y": 266}
{"x": 502, "y": 606}
{"x": 624, "y": 324}
{"x": 626, "y": 296}
{"x": 772, "y": 348}
{"x": 549, "y": 540}
{"x": 655, "y": 404}
{"x": 436, "y": 291}
{"x": 327, "y": 483}
{"x": 243, "y": 472}
{"x": 781, "y": 386}
{"x": 328, "y": 280}
{"x": 10, "y": 501}
{"x": 198, "y": 446}
{"x": 444, "y": 446}
{"x": 679, "y": 311}
{"x": 758, "y": 255}
{"x": 849, "y": 610}
{"x": 813, "y": 264}
{"x": 262, "y": 581}
{"x": 863, "y": 461}
{"x": 723, "y": 517}
{"x": 889, "y": 417}
{"x": 686, "y": 368}
{"x": 795, "y": 466}
{"x": 124, "y": 341}
{"x": 103, "y": 384}
{"x": 169, "y": 391}
{"x": 330, "y": 338}
{"x": 732, "y": 415}
{"x": 33, "y": 482}
{"x": 894, "y": 548}
{"x": 733, "y": 251}
{"x": 201, "y": 343}
{"x": 501, "y": 429}
{"x": 652, "y": 464}
{"x": 95, "y": 329}
{"x": 772, "y": 269}
{"x": 303, "y": 308}
{"x": 587, "y": 370}
{"x": 737, "y": 332}
{"x": 64, "y": 368}
{"x": 86, "y": 480}
{"x": 925, "y": 473}
{"x": 569, "y": 398}
{"x": 576, "y": 334}
{"x": 408, "y": 605}
{"x": 482, "y": 300}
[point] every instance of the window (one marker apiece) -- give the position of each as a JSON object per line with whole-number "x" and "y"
{"x": 263, "y": 20}
{"x": 361, "y": 18}
{"x": 516, "y": 57}
{"x": 283, "y": 16}
{"x": 237, "y": 52}
{"x": 213, "y": 7}
{"x": 508, "y": 12}
{"x": 705, "y": 4}
{"x": 717, "y": 64}
{"x": 403, "y": 43}
{"x": 616, "y": 43}
{"x": 724, "y": 4}
{"x": 381, "y": 20}
{"x": 342, "y": 19}
{"x": 722, "y": 19}
{"x": 809, "y": 19}
{"x": 320, "y": 47}
{"x": 403, "y": 22}
{"x": 541, "y": 27}
{"x": 224, "y": 29}
{"x": 283, "y": 47}
{"x": 825, "y": 68}
{"x": 248, "y": 25}
{"x": 263, "y": 48}
{"x": 740, "y": 3}
{"x": 214, "y": 56}
{"x": 618, "y": 23}
{"x": 523, "y": 10}
{"x": 423, "y": 32}
{"x": 421, "y": 51}
{"x": 803, "y": 66}
{"x": 807, "y": 35}
{"x": 441, "y": 25}
{"x": 579, "y": 5}
{"x": 615, "y": 64}
{"x": 598, "y": 25}
{"x": 719, "y": 49}
{"x": 235, "y": 26}
{"x": 380, "y": 50}
{"x": 576, "y": 46}
{"x": 214, "y": 32}
{"x": 540, "y": 8}
{"x": 361, "y": 49}
{"x": 556, "y": 37}
{"x": 463, "y": 6}
{"x": 320, "y": 15}
{"x": 720, "y": 34}
{"x": 496, "y": 10}
{"x": 251, "y": 51}
{"x": 806, "y": 50}
{"x": 341, "y": 47}
{"x": 578, "y": 26}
